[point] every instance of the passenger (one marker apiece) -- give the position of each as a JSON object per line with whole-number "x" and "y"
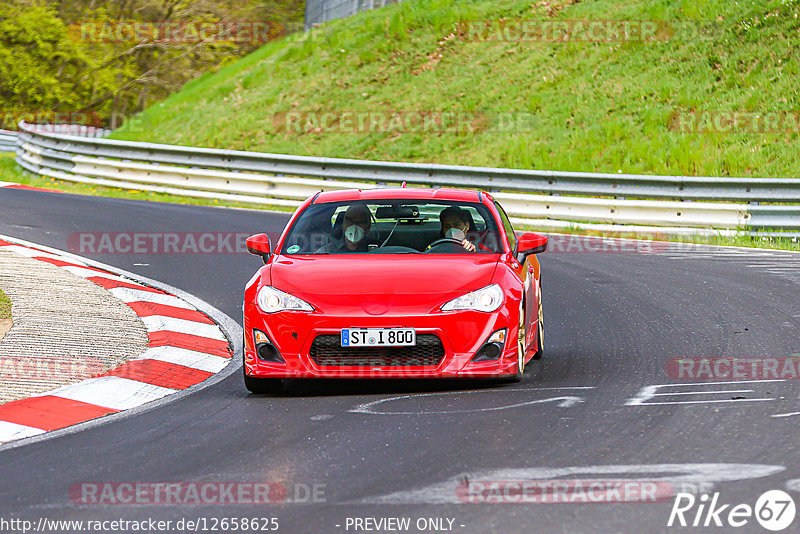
{"x": 357, "y": 222}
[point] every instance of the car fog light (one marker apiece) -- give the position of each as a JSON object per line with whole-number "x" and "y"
{"x": 267, "y": 352}
{"x": 492, "y": 349}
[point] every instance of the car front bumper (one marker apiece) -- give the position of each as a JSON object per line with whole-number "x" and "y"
{"x": 461, "y": 333}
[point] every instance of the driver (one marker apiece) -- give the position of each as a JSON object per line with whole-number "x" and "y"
{"x": 455, "y": 225}
{"x": 356, "y": 224}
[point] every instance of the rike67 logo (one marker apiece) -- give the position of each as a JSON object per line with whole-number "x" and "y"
{"x": 774, "y": 510}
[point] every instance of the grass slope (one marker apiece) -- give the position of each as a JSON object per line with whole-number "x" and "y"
{"x": 5, "y": 306}
{"x": 595, "y": 106}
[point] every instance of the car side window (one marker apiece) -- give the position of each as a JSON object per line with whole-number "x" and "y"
{"x": 510, "y": 235}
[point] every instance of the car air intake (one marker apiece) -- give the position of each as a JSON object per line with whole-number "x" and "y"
{"x": 326, "y": 350}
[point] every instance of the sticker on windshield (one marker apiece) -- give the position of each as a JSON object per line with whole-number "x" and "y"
{"x": 293, "y": 249}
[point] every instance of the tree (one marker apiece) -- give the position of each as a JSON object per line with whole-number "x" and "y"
{"x": 101, "y": 60}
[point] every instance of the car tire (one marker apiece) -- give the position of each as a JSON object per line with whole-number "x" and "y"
{"x": 260, "y": 385}
{"x": 540, "y": 334}
{"x": 520, "y": 344}
{"x": 263, "y": 385}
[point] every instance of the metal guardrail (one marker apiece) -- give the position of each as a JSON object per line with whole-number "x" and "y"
{"x": 548, "y": 198}
{"x": 80, "y": 130}
{"x": 321, "y": 11}
{"x": 8, "y": 141}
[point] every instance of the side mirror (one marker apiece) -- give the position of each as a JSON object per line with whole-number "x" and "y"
{"x": 530, "y": 243}
{"x": 259, "y": 245}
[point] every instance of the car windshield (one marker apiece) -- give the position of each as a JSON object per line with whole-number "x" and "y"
{"x": 394, "y": 227}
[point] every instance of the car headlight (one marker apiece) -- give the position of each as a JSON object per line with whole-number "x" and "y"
{"x": 486, "y": 299}
{"x": 272, "y": 300}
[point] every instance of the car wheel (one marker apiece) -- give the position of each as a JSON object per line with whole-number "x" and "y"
{"x": 263, "y": 385}
{"x": 260, "y": 385}
{"x": 540, "y": 330}
{"x": 520, "y": 344}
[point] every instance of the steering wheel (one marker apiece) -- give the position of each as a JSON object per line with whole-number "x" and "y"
{"x": 445, "y": 240}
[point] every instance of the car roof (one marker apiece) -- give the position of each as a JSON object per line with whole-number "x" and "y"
{"x": 416, "y": 193}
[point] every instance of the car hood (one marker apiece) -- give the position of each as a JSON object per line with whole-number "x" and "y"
{"x": 381, "y": 284}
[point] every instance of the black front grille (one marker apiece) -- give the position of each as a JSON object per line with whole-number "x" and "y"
{"x": 326, "y": 350}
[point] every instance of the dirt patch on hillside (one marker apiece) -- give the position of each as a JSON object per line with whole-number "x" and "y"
{"x": 5, "y": 326}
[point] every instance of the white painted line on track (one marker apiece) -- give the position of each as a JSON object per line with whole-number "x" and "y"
{"x": 704, "y": 402}
{"x": 702, "y": 392}
{"x": 368, "y": 407}
{"x": 549, "y": 389}
{"x": 649, "y": 392}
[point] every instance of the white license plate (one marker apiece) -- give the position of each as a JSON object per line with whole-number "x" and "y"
{"x": 378, "y": 337}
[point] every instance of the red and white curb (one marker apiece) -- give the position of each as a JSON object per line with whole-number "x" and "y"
{"x": 14, "y": 185}
{"x": 186, "y": 348}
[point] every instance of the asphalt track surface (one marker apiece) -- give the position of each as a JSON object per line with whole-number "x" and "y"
{"x": 613, "y": 321}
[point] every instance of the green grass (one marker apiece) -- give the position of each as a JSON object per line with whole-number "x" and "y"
{"x": 5, "y": 306}
{"x": 736, "y": 240}
{"x": 593, "y": 106}
{"x": 739, "y": 240}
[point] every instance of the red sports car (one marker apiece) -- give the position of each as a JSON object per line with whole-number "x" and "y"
{"x": 393, "y": 283}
